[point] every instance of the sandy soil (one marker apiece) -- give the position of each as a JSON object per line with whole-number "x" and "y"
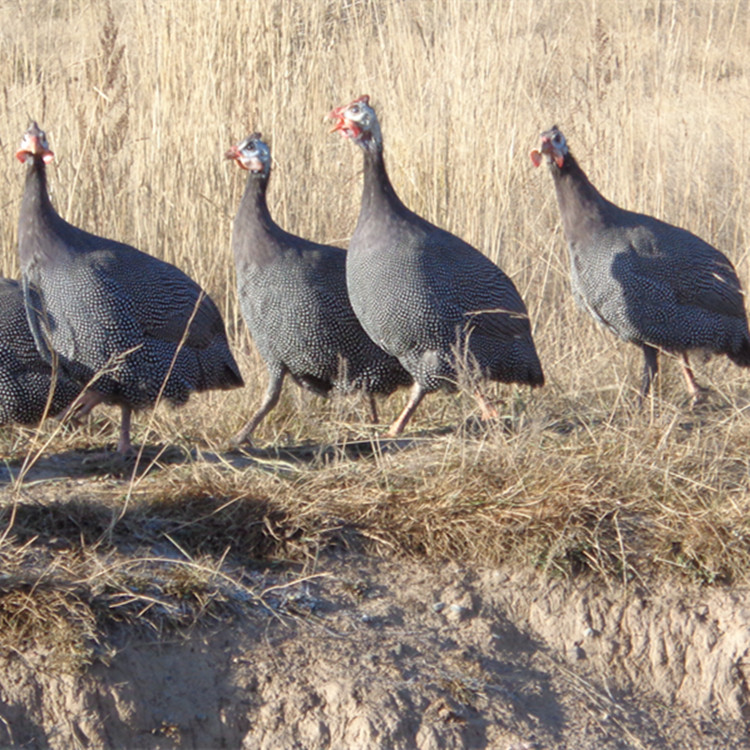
{"x": 370, "y": 653}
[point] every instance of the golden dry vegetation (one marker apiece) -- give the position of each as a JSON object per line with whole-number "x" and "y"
{"x": 141, "y": 99}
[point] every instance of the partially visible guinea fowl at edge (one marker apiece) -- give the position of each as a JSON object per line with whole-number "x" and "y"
{"x": 294, "y": 301}
{"x": 651, "y": 283}
{"x": 136, "y": 325}
{"x": 424, "y": 295}
{"x": 25, "y": 378}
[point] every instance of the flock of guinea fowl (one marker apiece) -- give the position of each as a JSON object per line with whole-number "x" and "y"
{"x": 408, "y": 304}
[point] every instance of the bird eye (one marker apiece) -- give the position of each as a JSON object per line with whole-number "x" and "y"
{"x": 355, "y": 109}
{"x": 556, "y": 138}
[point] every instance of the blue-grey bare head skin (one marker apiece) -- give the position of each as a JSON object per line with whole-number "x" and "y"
{"x": 553, "y": 146}
{"x": 252, "y": 154}
{"x": 359, "y": 122}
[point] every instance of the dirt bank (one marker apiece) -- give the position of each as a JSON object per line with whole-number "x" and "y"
{"x": 375, "y": 654}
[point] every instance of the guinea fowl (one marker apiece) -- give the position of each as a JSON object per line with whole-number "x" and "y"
{"x": 133, "y": 327}
{"x": 294, "y": 301}
{"x": 649, "y": 282}
{"x": 25, "y": 378}
{"x": 424, "y": 295}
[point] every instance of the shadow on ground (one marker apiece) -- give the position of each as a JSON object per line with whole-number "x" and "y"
{"x": 92, "y": 463}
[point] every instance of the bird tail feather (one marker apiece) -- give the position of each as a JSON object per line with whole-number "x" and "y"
{"x": 741, "y": 356}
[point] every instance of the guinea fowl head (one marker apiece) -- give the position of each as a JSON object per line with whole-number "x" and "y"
{"x": 553, "y": 146}
{"x": 34, "y": 143}
{"x": 252, "y": 154}
{"x": 357, "y": 121}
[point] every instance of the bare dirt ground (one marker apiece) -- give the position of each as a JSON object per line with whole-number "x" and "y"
{"x": 354, "y": 651}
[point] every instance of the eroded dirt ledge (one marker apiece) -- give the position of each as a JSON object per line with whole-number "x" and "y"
{"x": 395, "y": 654}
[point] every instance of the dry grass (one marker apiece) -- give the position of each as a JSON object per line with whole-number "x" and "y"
{"x": 141, "y": 99}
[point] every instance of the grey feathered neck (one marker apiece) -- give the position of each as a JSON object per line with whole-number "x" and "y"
{"x": 39, "y": 224}
{"x": 378, "y": 193}
{"x": 254, "y": 203}
{"x": 582, "y": 207}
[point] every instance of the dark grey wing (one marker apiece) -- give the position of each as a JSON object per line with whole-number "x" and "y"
{"x": 697, "y": 273}
{"x": 190, "y": 307}
{"x": 487, "y": 298}
{"x": 502, "y": 313}
{"x": 164, "y": 299}
{"x": 715, "y": 288}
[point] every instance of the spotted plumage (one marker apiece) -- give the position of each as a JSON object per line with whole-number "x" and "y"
{"x": 650, "y": 283}
{"x": 424, "y": 295}
{"x": 25, "y": 377}
{"x": 132, "y": 326}
{"x": 293, "y": 297}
